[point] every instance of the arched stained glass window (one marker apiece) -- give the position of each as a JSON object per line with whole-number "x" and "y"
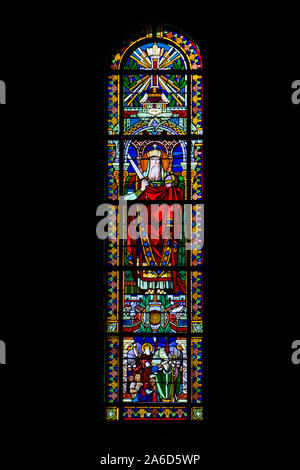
{"x": 153, "y": 302}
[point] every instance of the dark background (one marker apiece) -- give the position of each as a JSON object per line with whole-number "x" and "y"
{"x": 50, "y": 147}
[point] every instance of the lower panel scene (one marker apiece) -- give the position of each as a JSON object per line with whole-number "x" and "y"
{"x": 161, "y": 378}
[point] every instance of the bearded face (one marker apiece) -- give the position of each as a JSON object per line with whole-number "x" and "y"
{"x": 155, "y": 169}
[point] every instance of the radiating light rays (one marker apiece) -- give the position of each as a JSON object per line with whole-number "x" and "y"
{"x": 172, "y": 84}
{"x": 141, "y": 58}
{"x": 165, "y": 84}
{"x": 155, "y": 57}
{"x": 170, "y": 60}
{"x": 171, "y": 88}
{"x": 137, "y": 89}
{"x": 164, "y": 58}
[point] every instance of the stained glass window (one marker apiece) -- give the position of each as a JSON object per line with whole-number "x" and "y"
{"x": 153, "y": 286}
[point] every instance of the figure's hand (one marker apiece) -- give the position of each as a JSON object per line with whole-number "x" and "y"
{"x": 145, "y": 183}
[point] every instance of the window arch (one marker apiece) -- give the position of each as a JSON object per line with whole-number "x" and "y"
{"x": 153, "y": 302}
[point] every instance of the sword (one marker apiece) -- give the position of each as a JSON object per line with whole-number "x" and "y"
{"x": 135, "y": 167}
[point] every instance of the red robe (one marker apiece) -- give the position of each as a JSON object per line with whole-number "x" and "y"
{"x": 160, "y": 246}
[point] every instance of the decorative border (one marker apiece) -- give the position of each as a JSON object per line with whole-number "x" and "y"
{"x": 197, "y": 104}
{"x": 155, "y": 414}
{"x": 198, "y": 234}
{"x": 117, "y": 57}
{"x": 197, "y": 302}
{"x": 197, "y": 172}
{"x": 112, "y": 414}
{"x": 191, "y": 50}
{"x": 197, "y": 370}
{"x": 112, "y": 302}
{"x": 113, "y": 115}
{"x": 197, "y": 414}
{"x": 112, "y": 170}
{"x": 112, "y": 350}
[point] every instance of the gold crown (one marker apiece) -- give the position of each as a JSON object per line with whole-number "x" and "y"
{"x": 154, "y": 51}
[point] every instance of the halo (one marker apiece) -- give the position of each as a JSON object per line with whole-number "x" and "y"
{"x": 147, "y": 345}
{"x": 163, "y": 156}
